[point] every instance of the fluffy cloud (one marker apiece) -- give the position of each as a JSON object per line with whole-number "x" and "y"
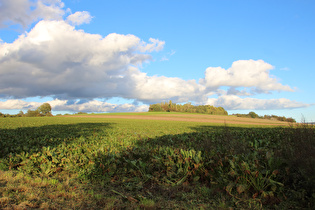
{"x": 156, "y": 45}
{"x": 18, "y": 104}
{"x": 95, "y": 106}
{"x": 15, "y": 11}
{"x": 24, "y": 12}
{"x": 56, "y": 59}
{"x": 244, "y": 73}
{"x": 233, "y": 102}
{"x": 79, "y": 18}
{"x": 75, "y": 106}
{"x": 156, "y": 88}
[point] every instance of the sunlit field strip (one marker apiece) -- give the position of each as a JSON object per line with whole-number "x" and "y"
{"x": 189, "y": 117}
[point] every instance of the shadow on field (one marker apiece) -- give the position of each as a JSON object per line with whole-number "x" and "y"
{"x": 32, "y": 139}
{"x": 168, "y": 167}
{"x": 167, "y": 172}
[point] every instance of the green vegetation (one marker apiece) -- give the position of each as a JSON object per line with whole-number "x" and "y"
{"x": 269, "y": 117}
{"x": 96, "y": 163}
{"x": 172, "y": 107}
{"x": 42, "y": 110}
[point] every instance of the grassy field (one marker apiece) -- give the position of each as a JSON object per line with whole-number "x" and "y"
{"x": 155, "y": 161}
{"x": 190, "y": 117}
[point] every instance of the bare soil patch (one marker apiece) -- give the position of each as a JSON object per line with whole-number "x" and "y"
{"x": 191, "y": 118}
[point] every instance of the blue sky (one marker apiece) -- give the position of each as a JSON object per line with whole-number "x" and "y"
{"x": 114, "y": 56}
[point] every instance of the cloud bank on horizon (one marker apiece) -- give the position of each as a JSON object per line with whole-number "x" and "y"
{"x": 76, "y": 68}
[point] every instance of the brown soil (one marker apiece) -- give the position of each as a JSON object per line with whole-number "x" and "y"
{"x": 191, "y": 118}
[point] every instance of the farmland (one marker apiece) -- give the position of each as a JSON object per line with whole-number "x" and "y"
{"x": 155, "y": 160}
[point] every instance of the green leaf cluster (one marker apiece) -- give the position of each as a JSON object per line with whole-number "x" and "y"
{"x": 188, "y": 107}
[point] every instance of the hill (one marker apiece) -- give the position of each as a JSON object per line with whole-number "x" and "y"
{"x": 188, "y": 117}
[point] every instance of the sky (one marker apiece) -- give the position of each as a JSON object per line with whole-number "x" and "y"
{"x": 123, "y": 55}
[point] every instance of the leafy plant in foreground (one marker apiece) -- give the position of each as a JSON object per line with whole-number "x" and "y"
{"x": 173, "y": 164}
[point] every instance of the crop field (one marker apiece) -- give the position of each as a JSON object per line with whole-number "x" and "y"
{"x": 190, "y": 117}
{"x": 155, "y": 161}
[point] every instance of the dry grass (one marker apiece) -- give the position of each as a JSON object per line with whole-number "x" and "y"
{"x": 21, "y": 191}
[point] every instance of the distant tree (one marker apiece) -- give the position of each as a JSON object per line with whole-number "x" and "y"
{"x": 269, "y": 117}
{"x": 20, "y": 114}
{"x": 290, "y": 119}
{"x": 45, "y": 109}
{"x": 171, "y": 107}
{"x": 32, "y": 113}
{"x": 253, "y": 115}
{"x": 81, "y": 113}
{"x": 282, "y": 118}
{"x": 155, "y": 108}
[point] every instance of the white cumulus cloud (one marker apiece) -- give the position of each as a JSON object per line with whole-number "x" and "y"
{"x": 24, "y": 12}
{"x": 79, "y": 18}
{"x": 55, "y": 59}
{"x": 233, "y": 102}
{"x": 156, "y": 88}
{"x": 244, "y": 73}
{"x": 155, "y": 45}
{"x": 18, "y": 104}
{"x": 76, "y": 106}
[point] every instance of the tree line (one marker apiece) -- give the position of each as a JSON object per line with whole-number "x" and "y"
{"x": 269, "y": 117}
{"x": 188, "y": 107}
{"x": 42, "y": 110}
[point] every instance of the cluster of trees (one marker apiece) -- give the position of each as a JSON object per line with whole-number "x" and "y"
{"x": 42, "y": 110}
{"x": 11, "y": 115}
{"x": 188, "y": 107}
{"x": 289, "y": 119}
{"x": 270, "y": 117}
